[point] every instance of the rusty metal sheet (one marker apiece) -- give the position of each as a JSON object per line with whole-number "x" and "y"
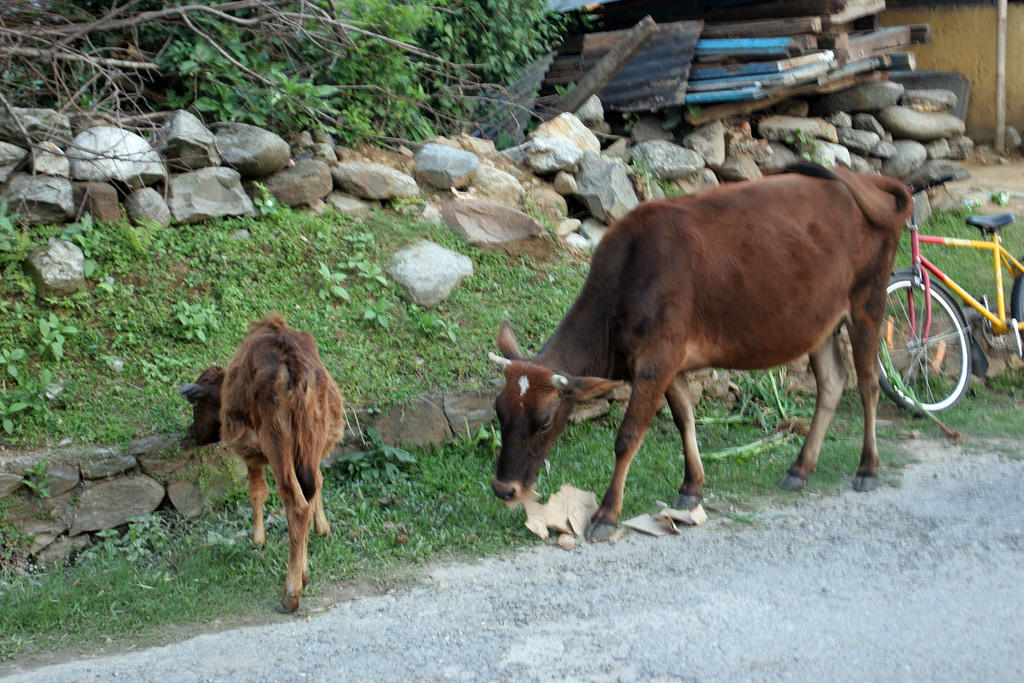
{"x": 655, "y": 77}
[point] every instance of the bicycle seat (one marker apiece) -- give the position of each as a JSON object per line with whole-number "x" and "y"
{"x": 990, "y": 224}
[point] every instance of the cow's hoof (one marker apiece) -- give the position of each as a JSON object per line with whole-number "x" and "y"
{"x": 687, "y": 501}
{"x": 865, "y": 482}
{"x": 288, "y": 604}
{"x": 793, "y": 482}
{"x": 601, "y": 531}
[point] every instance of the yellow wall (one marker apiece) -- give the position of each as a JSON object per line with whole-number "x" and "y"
{"x": 964, "y": 40}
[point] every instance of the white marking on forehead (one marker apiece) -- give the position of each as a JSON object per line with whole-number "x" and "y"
{"x": 524, "y": 385}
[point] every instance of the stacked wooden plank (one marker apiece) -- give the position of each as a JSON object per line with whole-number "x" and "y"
{"x": 747, "y": 52}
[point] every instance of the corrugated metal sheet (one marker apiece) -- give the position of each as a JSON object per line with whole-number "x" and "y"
{"x": 655, "y": 77}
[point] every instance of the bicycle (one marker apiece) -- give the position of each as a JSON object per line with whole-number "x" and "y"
{"x": 929, "y": 343}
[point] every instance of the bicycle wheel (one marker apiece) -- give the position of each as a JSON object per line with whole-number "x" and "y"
{"x": 1017, "y": 296}
{"x": 936, "y": 370}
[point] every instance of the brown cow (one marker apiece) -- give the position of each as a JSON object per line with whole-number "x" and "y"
{"x": 275, "y": 405}
{"x": 746, "y": 275}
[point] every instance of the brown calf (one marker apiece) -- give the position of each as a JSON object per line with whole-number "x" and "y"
{"x": 746, "y": 275}
{"x": 275, "y": 405}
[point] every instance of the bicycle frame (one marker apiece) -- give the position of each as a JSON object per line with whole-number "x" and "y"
{"x": 1000, "y": 257}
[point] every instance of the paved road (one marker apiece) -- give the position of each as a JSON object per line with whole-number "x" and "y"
{"x": 924, "y": 582}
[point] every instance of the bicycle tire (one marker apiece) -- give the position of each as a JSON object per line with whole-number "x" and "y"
{"x": 937, "y": 372}
{"x": 1017, "y": 296}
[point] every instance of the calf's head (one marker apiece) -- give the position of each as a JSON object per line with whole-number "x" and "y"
{"x": 204, "y": 395}
{"x": 532, "y": 408}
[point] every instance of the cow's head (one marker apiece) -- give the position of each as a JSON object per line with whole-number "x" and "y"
{"x": 204, "y": 396}
{"x": 532, "y": 409}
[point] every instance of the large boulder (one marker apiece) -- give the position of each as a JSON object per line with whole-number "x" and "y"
{"x": 442, "y": 167}
{"x": 109, "y": 503}
{"x": 208, "y": 193}
{"x": 488, "y": 225}
{"x": 146, "y": 205}
{"x": 904, "y": 122}
{"x": 187, "y": 144}
{"x": 546, "y": 155}
{"x": 40, "y": 124}
{"x": 428, "y": 273}
{"x": 250, "y": 150}
{"x": 604, "y": 187}
{"x": 909, "y": 155}
{"x": 57, "y": 268}
{"x": 38, "y": 199}
{"x": 790, "y": 128}
{"x": 860, "y": 98}
{"x": 709, "y": 142}
{"x": 666, "y": 160}
{"x": 105, "y": 153}
{"x": 304, "y": 184}
{"x": 374, "y": 181}
{"x": 567, "y": 126}
{"x": 497, "y": 185}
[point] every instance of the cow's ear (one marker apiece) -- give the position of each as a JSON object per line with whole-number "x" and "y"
{"x": 585, "y": 388}
{"x": 507, "y": 343}
{"x": 193, "y": 392}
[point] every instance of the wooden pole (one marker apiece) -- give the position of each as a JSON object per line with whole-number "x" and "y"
{"x": 1001, "y": 80}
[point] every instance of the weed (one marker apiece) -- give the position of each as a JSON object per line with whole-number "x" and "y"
{"x": 89, "y": 240}
{"x": 196, "y": 321}
{"x": 52, "y": 335}
{"x": 378, "y": 312}
{"x": 432, "y": 325}
{"x": 38, "y": 480}
{"x": 380, "y": 462}
{"x": 13, "y": 241}
{"x": 330, "y": 283}
{"x": 145, "y": 537}
{"x": 265, "y": 202}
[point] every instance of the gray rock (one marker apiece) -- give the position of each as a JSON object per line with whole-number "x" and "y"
{"x": 831, "y": 154}
{"x": 567, "y": 127}
{"x": 568, "y": 226}
{"x": 695, "y": 182}
{"x": 497, "y": 185}
{"x": 865, "y": 121}
{"x": 960, "y": 147}
{"x": 666, "y": 160}
{"x": 38, "y": 199}
{"x": 708, "y": 141}
{"x": 866, "y": 97}
{"x": 62, "y": 549}
{"x": 304, "y": 184}
{"x": 208, "y": 193}
{"x": 250, "y": 150}
{"x": 860, "y": 164}
{"x": 111, "y": 502}
{"x": 739, "y": 167}
{"x": 467, "y": 411}
{"x": 546, "y": 204}
{"x": 935, "y": 169}
{"x": 604, "y": 188}
{"x": 786, "y": 128}
{"x": 9, "y": 483}
{"x": 428, "y": 273}
{"x": 100, "y": 463}
{"x": 40, "y": 124}
{"x": 374, "y": 181}
{"x": 904, "y": 122}
{"x": 591, "y": 111}
{"x": 42, "y": 519}
{"x": 442, "y": 167}
{"x": 489, "y": 225}
{"x": 51, "y": 160}
{"x": 187, "y": 144}
{"x": 564, "y": 183}
{"x": 884, "y": 150}
{"x": 782, "y": 156}
{"x": 858, "y": 141}
{"x": 105, "y": 153}
{"x": 324, "y": 151}
{"x": 146, "y": 205}
{"x": 936, "y": 99}
{"x": 649, "y": 127}
{"x": 909, "y": 155}
{"x": 419, "y": 423}
{"x": 579, "y": 241}
{"x": 347, "y": 205}
{"x": 550, "y": 155}
{"x": 938, "y": 149}
{"x": 100, "y": 200}
{"x": 840, "y": 119}
{"x": 594, "y": 230}
{"x": 11, "y": 156}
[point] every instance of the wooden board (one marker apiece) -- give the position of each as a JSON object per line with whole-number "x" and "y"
{"x": 762, "y": 28}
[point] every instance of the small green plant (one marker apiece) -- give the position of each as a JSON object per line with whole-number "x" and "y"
{"x": 52, "y": 335}
{"x": 196, "y": 321}
{"x": 330, "y": 283}
{"x": 145, "y": 537}
{"x": 88, "y": 238}
{"x": 378, "y": 312}
{"x": 12, "y": 240}
{"x": 380, "y": 462}
{"x": 432, "y": 325}
{"x": 363, "y": 268}
{"x": 265, "y": 203}
{"x": 38, "y": 479}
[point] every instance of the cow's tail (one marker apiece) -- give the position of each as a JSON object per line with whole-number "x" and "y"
{"x": 885, "y": 201}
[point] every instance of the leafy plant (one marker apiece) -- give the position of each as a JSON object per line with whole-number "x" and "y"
{"x": 52, "y": 335}
{"x": 146, "y": 536}
{"x": 380, "y": 462}
{"x": 196, "y": 321}
{"x": 265, "y": 203}
{"x": 89, "y": 240}
{"x": 378, "y": 312}
{"x": 330, "y": 283}
{"x": 12, "y": 240}
{"x": 432, "y": 325}
{"x": 38, "y": 479}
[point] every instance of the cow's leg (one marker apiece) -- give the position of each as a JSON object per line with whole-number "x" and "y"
{"x": 678, "y": 397}
{"x": 830, "y": 377}
{"x": 258, "y": 492}
{"x": 320, "y": 524}
{"x": 300, "y": 519}
{"x": 864, "y": 342}
{"x": 643, "y": 403}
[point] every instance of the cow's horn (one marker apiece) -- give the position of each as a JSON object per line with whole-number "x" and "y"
{"x": 559, "y": 381}
{"x": 498, "y": 360}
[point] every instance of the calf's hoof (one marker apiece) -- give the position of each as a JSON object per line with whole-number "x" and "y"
{"x": 793, "y": 482}
{"x": 865, "y": 482}
{"x": 687, "y": 501}
{"x": 601, "y": 531}
{"x": 288, "y": 604}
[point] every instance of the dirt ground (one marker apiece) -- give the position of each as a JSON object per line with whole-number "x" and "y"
{"x": 987, "y": 178}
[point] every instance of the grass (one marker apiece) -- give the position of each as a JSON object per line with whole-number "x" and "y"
{"x": 165, "y": 577}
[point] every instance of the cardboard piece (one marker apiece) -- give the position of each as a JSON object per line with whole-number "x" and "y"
{"x": 668, "y": 521}
{"x": 568, "y": 512}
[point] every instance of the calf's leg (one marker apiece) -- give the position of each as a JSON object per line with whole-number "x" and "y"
{"x": 300, "y": 520}
{"x": 830, "y": 377}
{"x": 320, "y": 524}
{"x": 258, "y": 492}
{"x": 864, "y": 341}
{"x": 678, "y": 397}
